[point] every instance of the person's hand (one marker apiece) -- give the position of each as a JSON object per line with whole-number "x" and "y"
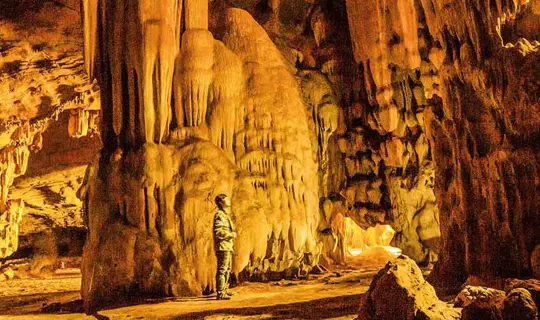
{"x": 234, "y": 235}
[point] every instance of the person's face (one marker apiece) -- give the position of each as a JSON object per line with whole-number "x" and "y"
{"x": 226, "y": 202}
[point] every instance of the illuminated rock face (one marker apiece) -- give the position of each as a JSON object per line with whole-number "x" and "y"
{"x": 475, "y": 97}
{"x": 214, "y": 99}
{"x": 237, "y": 125}
{"x": 421, "y": 115}
{"x": 399, "y": 291}
{"x": 9, "y": 228}
{"x": 483, "y": 133}
{"x": 42, "y": 81}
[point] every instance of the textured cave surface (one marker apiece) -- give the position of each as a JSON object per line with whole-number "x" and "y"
{"x": 318, "y": 117}
{"x": 49, "y": 123}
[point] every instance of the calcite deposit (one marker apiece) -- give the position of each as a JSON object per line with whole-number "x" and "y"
{"x": 42, "y": 84}
{"x": 239, "y": 127}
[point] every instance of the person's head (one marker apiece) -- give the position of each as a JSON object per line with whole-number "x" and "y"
{"x": 222, "y": 201}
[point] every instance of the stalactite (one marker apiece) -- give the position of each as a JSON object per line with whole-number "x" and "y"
{"x": 161, "y": 34}
{"x": 90, "y": 22}
{"x": 145, "y": 69}
{"x": 78, "y": 123}
{"x": 20, "y": 159}
{"x": 320, "y": 25}
{"x": 383, "y": 33}
{"x": 10, "y": 219}
{"x": 7, "y": 174}
{"x": 197, "y": 61}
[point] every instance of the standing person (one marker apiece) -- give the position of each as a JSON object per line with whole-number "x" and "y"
{"x": 224, "y": 236}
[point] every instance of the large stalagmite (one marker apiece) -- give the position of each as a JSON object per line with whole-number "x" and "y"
{"x": 187, "y": 117}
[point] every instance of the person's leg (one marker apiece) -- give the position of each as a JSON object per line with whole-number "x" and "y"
{"x": 228, "y": 263}
{"x": 221, "y": 274}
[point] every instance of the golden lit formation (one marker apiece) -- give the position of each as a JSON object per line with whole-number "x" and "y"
{"x": 292, "y": 159}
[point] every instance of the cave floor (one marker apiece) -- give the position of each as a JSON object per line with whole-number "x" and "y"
{"x": 333, "y": 295}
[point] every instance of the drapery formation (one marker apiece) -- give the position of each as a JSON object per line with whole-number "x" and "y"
{"x": 186, "y": 117}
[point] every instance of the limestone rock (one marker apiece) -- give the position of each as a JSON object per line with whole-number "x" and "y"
{"x": 480, "y": 303}
{"x": 452, "y": 83}
{"x": 399, "y": 291}
{"x": 382, "y": 44}
{"x": 241, "y": 128}
{"x": 519, "y": 305}
{"x": 531, "y": 285}
{"x": 393, "y": 153}
{"x": 476, "y": 167}
{"x": 46, "y": 98}
{"x": 388, "y": 118}
{"x": 415, "y": 216}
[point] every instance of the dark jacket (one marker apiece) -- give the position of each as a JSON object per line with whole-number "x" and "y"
{"x": 223, "y": 231}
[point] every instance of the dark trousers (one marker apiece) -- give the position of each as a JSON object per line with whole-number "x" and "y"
{"x": 224, "y": 265}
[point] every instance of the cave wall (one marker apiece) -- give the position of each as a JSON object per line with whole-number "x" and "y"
{"x": 48, "y": 119}
{"x": 474, "y": 64}
{"x": 484, "y": 129}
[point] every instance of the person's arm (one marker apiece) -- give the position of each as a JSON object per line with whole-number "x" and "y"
{"x": 221, "y": 228}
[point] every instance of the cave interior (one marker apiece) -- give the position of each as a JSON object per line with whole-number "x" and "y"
{"x": 387, "y": 150}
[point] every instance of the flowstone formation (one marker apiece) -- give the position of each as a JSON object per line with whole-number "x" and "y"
{"x": 389, "y": 173}
{"x": 464, "y": 72}
{"x": 185, "y": 118}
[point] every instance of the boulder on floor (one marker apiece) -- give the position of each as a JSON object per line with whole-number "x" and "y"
{"x": 531, "y": 285}
{"x": 519, "y": 305}
{"x": 480, "y": 303}
{"x": 400, "y": 292}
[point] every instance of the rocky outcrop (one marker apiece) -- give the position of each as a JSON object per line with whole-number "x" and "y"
{"x": 519, "y": 304}
{"x": 399, "y": 291}
{"x": 480, "y": 303}
{"x": 531, "y": 285}
{"x": 487, "y": 303}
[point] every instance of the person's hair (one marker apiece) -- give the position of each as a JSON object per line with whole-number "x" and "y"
{"x": 220, "y": 199}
